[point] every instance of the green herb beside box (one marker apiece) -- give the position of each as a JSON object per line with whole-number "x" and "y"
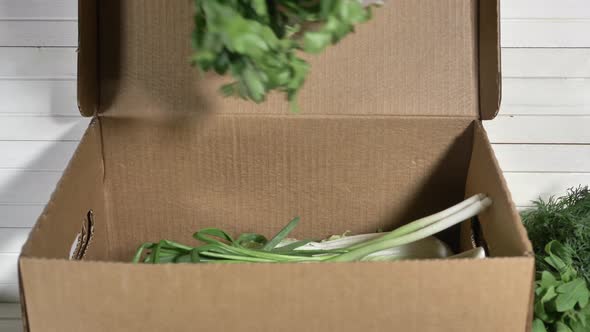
{"x": 561, "y": 295}
{"x": 559, "y": 229}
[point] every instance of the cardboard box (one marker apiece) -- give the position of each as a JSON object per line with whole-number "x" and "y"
{"x": 389, "y": 131}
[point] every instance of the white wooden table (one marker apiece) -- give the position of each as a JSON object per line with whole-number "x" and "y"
{"x": 541, "y": 136}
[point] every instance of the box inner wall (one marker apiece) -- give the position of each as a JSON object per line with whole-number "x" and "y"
{"x": 167, "y": 179}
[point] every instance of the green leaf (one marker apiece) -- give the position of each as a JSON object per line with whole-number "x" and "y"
{"x": 140, "y": 250}
{"x": 183, "y": 259}
{"x": 282, "y": 234}
{"x": 291, "y": 246}
{"x": 538, "y": 326}
{"x": 578, "y": 322}
{"x": 208, "y": 235}
{"x": 540, "y": 311}
{"x": 327, "y": 6}
{"x": 316, "y": 42}
{"x": 560, "y": 256}
{"x": 251, "y": 240}
{"x": 583, "y": 301}
{"x": 561, "y": 327}
{"x": 352, "y": 12}
{"x": 194, "y": 256}
{"x": 229, "y": 89}
{"x": 254, "y": 84}
{"x": 249, "y": 43}
{"x": 260, "y": 7}
{"x": 221, "y": 64}
{"x": 549, "y": 295}
{"x": 578, "y": 327}
{"x": 548, "y": 280}
{"x": 570, "y": 294}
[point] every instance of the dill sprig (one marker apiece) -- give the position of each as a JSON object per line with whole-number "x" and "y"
{"x": 565, "y": 219}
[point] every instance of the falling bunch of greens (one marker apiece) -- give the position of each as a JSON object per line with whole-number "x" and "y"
{"x": 565, "y": 219}
{"x": 257, "y": 41}
{"x": 414, "y": 240}
{"x": 561, "y": 296}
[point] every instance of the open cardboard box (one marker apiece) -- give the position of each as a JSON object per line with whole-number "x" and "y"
{"x": 389, "y": 131}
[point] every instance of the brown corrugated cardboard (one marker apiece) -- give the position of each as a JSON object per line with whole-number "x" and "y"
{"x": 412, "y": 58}
{"x": 424, "y": 296}
{"x": 490, "y": 77}
{"x": 251, "y": 173}
{"x": 389, "y": 131}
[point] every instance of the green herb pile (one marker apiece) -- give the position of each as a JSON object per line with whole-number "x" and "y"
{"x": 561, "y": 296}
{"x": 257, "y": 41}
{"x": 413, "y": 240}
{"x": 565, "y": 219}
{"x": 559, "y": 229}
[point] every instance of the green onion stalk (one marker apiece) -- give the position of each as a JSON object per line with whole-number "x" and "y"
{"x": 413, "y": 240}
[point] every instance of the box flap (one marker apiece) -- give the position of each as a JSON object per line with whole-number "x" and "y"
{"x": 413, "y": 58}
{"x": 488, "y": 295}
{"x": 490, "y": 76}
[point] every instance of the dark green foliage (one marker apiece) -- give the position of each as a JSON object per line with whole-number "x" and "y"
{"x": 258, "y": 41}
{"x": 565, "y": 219}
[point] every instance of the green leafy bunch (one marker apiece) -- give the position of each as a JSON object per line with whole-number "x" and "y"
{"x": 565, "y": 219}
{"x": 561, "y": 296}
{"x": 258, "y": 41}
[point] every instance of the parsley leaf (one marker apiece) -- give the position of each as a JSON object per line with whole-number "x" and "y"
{"x": 259, "y": 42}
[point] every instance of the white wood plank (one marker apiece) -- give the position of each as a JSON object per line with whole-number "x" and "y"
{"x": 10, "y": 311}
{"x": 545, "y": 96}
{"x": 27, "y": 187}
{"x": 545, "y": 110}
{"x": 539, "y": 129}
{"x": 35, "y": 62}
{"x": 19, "y": 215}
{"x": 46, "y": 97}
{"x": 39, "y": 9}
{"x": 526, "y": 187}
{"x": 39, "y": 33}
{"x": 545, "y": 33}
{"x": 42, "y": 128}
{"x": 545, "y": 9}
{"x": 545, "y": 92}
{"x": 546, "y": 62}
{"x": 36, "y": 155}
{"x": 9, "y": 293}
{"x": 11, "y": 325}
{"x": 8, "y": 269}
{"x": 543, "y": 158}
{"x": 12, "y": 241}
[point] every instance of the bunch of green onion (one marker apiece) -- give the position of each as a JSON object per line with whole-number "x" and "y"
{"x": 411, "y": 241}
